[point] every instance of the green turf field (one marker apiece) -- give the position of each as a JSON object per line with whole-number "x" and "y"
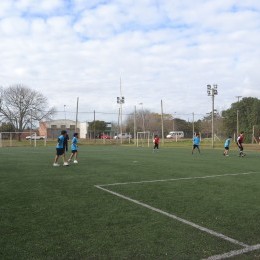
{"x": 123, "y": 202}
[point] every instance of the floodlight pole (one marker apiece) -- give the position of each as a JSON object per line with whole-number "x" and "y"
{"x": 121, "y": 101}
{"x": 173, "y": 125}
{"x": 142, "y": 115}
{"x": 212, "y": 91}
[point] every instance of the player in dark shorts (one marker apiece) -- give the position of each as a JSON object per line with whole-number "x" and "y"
{"x": 60, "y": 149}
{"x": 240, "y": 141}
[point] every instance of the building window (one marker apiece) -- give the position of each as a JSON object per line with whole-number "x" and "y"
{"x": 72, "y": 127}
{"x": 63, "y": 126}
{"x": 53, "y": 127}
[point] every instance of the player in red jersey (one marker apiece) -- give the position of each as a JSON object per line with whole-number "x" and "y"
{"x": 156, "y": 141}
{"x": 240, "y": 141}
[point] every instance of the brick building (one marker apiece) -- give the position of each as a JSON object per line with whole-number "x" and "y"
{"x": 52, "y": 128}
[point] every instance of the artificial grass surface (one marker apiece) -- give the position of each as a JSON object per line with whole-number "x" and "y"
{"x": 57, "y": 212}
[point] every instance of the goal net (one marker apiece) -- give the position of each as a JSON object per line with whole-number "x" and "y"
{"x": 9, "y": 139}
{"x": 143, "y": 139}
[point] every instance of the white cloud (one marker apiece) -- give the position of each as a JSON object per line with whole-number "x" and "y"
{"x": 14, "y": 26}
{"x": 169, "y": 50}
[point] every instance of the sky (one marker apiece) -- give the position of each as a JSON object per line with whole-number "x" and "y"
{"x": 160, "y": 50}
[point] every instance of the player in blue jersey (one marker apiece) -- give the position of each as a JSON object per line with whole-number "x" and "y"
{"x": 60, "y": 149}
{"x": 226, "y": 146}
{"x": 74, "y": 148}
{"x": 196, "y": 143}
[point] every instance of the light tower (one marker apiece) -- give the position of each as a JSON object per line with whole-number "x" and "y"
{"x": 212, "y": 91}
{"x": 121, "y": 101}
{"x": 141, "y": 104}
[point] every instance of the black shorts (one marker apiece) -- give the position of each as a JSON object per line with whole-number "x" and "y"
{"x": 195, "y": 146}
{"x": 74, "y": 151}
{"x": 226, "y": 148}
{"x": 156, "y": 145}
{"x": 240, "y": 146}
{"x": 59, "y": 151}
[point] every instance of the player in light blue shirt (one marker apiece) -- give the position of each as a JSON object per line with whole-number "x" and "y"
{"x": 226, "y": 146}
{"x": 74, "y": 148}
{"x": 60, "y": 149}
{"x": 60, "y": 144}
{"x": 196, "y": 143}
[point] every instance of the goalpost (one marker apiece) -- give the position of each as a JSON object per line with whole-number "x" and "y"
{"x": 143, "y": 139}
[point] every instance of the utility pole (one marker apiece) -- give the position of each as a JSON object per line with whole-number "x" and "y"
{"x": 135, "y": 125}
{"x": 77, "y": 112}
{"x": 65, "y": 123}
{"x": 95, "y": 126}
{"x": 162, "y": 120}
{"x": 238, "y": 97}
{"x": 193, "y": 129}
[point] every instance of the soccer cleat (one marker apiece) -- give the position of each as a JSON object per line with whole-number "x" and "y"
{"x": 56, "y": 164}
{"x": 75, "y": 161}
{"x": 65, "y": 164}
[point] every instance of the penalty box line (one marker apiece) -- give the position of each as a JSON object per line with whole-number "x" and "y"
{"x": 234, "y": 253}
{"x": 177, "y": 179}
{"x": 209, "y": 231}
{"x": 246, "y": 248}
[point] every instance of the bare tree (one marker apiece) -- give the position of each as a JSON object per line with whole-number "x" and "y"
{"x": 21, "y": 106}
{"x": 151, "y": 121}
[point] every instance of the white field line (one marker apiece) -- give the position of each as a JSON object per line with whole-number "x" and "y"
{"x": 246, "y": 248}
{"x": 177, "y": 179}
{"x": 234, "y": 253}
{"x": 211, "y": 232}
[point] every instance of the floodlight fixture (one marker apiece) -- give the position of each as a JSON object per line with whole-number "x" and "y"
{"x": 120, "y": 100}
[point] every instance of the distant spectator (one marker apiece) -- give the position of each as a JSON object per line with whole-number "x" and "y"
{"x": 66, "y": 138}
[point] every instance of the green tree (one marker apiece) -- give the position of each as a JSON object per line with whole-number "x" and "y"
{"x": 186, "y": 127}
{"x": 248, "y": 113}
{"x": 7, "y": 127}
{"x": 97, "y": 127}
{"x": 148, "y": 121}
